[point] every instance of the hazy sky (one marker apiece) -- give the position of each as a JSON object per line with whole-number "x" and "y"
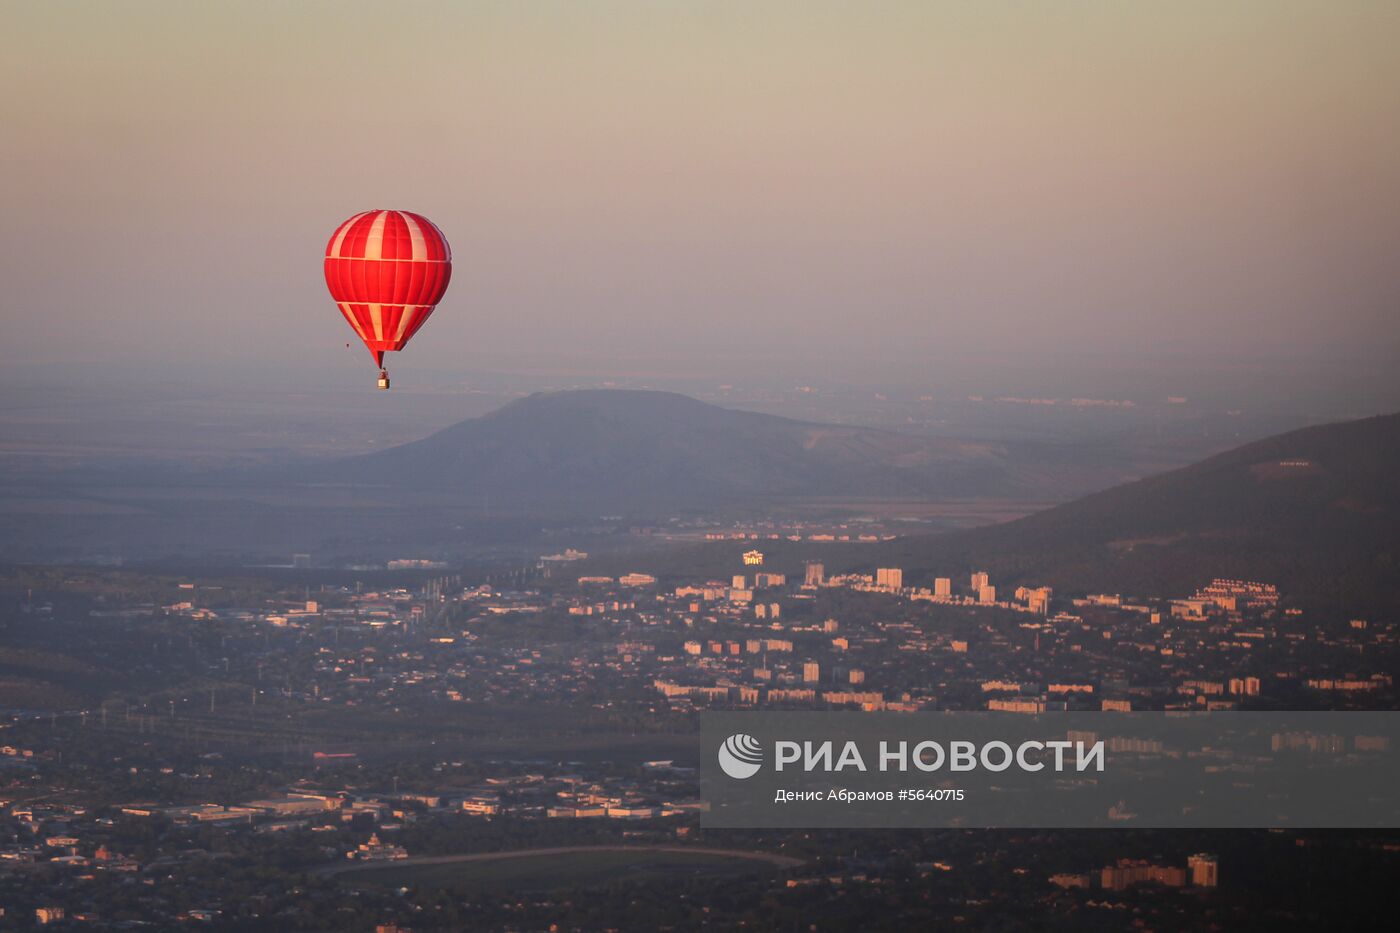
{"x": 708, "y": 187}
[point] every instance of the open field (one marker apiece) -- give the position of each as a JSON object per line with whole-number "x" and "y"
{"x": 284, "y": 733}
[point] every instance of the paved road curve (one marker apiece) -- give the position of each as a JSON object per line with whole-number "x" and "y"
{"x": 781, "y": 861}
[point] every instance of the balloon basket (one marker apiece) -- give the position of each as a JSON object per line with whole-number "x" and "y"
{"x": 383, "y": 379}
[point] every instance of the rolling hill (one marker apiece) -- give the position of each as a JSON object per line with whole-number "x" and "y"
{"x": 1315, "y": 511}
{"x": 586, "y": 451}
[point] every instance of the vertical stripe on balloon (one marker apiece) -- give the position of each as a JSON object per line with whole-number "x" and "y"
{"x": 387, "y": 270}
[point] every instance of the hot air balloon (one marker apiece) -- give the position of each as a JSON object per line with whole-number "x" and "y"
{"x": 387, "y": 270}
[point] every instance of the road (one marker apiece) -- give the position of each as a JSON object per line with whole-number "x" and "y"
{"x": 781, "y": 861}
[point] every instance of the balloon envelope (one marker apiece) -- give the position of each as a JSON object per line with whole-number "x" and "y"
{"x": 387, "y": 270}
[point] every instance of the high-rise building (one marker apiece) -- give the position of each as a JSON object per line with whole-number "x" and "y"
{"x": 1017, "y": 705}
{"x": 891, "y": 577}
{"x": 1129, "y": 872}
{"x": 943, "y": 586}
{"x": 1205, "y": 869}
{"x": 857, "y": 676}
{"x": 811, "y": 672}
{"x": 739, "y": 582}
{"x": 1244, "y": 686}
{"x": 987, "y": 594}
{"x": 816, "y": 573}
{"x": 979, "y": 580}
{"x": 1037, "y": 600}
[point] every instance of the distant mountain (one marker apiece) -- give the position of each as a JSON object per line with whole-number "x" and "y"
{"x": 626, "y": 450}
{"x": 1315, "y": 511}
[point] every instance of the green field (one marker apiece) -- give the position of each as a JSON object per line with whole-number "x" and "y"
{"x": 549, "y": 869}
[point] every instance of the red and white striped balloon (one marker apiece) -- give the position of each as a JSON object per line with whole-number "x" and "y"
{"x": 387, "y": 270}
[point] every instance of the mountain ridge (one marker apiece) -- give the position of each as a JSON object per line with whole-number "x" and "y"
{"x": 627, "y": 449}
{"x": 1314, "y": 510}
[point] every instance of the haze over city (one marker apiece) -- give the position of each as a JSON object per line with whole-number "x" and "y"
{"x": 1001, "y": 395}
